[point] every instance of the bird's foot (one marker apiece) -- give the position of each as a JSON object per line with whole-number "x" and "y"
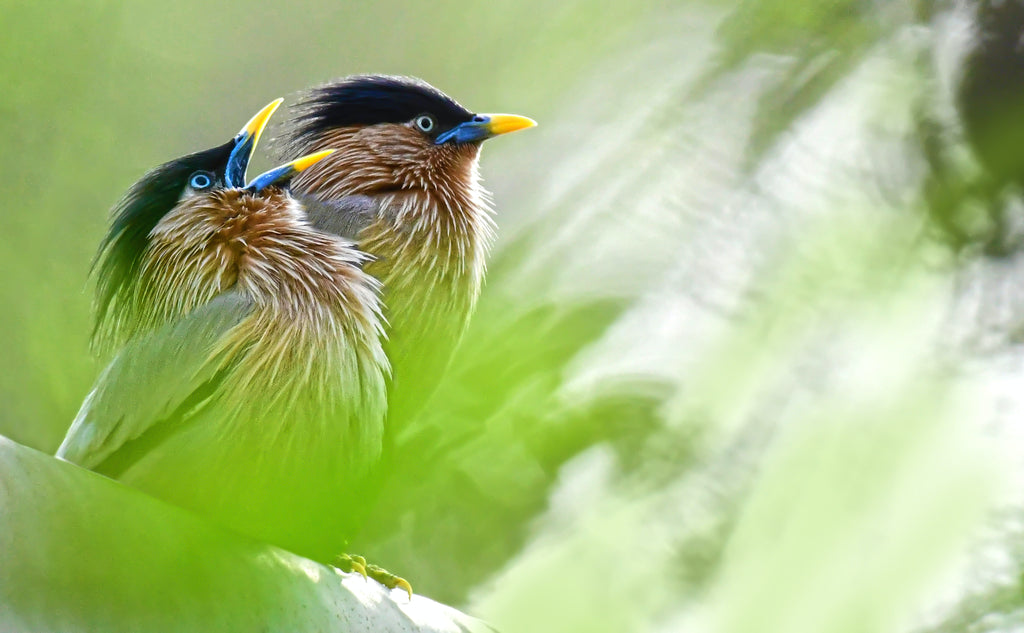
{"x": 388, "y": 579}
{"x": 356, "y": 563}
{"x": 350, "y": 563}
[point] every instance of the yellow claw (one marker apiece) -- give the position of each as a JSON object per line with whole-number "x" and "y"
{"x": 403, "y": 584}
{"x": 351, "y": 562}
{"x": 388, "y": 579}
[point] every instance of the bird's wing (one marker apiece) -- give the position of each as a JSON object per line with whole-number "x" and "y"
{"x": 344, "y": 217}
{"x": 150, "y": 379}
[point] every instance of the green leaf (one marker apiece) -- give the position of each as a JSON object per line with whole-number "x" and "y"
{"x": 80, "y": 552}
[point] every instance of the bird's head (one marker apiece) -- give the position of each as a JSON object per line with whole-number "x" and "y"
{"x": 392, "y": 134}
{"x": 204, "y": 180}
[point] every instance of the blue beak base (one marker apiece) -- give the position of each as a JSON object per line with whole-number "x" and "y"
{"x": 484, "y": 126}
{"x": 245, "y": 144}
{"x": 478, "y": 129}
{"x": 238, "y": 161}
{"x": 282, "y": 174}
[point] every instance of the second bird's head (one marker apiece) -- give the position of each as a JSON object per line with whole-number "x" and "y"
{"x": 391, "y": 134}
{"x": 210, "y": 184}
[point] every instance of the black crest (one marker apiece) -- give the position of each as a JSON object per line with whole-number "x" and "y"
{"x": 372, "y": 99}
{"x": 137, "y": 213}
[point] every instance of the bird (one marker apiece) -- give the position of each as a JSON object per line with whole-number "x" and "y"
{"x": 404, "y": 184}
{"x": 249, "y": 380}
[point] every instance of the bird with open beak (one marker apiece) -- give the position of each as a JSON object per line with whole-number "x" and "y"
{"x": 404, "y": 184}
{"x": 250, "y": 380}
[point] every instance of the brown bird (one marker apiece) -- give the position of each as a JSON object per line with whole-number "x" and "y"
{"x": 404, "y": 184}
{"x": 250, "y": 382}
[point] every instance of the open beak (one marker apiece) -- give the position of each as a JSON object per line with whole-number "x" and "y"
{"x": 485, "y": 126}
{"x": 281, "y": 175}
{"x": 245, "y": 144}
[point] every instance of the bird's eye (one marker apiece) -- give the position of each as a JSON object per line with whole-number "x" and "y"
{"x": 200, "y": 180}
{"x": 425, "y": 122}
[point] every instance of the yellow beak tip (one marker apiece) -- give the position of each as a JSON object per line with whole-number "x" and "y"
{"x": 307, "y": 161}
{"x": 254, "y": 128}
{"x": 506, "y": 123}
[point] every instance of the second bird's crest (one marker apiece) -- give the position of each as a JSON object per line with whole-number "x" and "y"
{"x": 373, "y": 99}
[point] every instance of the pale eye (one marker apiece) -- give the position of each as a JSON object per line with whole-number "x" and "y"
{"x": 425, "y": 122}
{"x": 200, "y": 180}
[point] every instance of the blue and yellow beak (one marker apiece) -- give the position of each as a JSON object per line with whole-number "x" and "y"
{"x": 484, "y": 126}
{"x": 245, "y": 144}
{"x": 279, "y": 175}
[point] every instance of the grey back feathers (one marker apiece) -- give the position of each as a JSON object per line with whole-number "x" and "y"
{"x": 345, "y": 217}
{"x": 150, "y": 379}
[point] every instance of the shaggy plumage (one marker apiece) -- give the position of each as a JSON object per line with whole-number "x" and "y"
{"x": 118, "y": 317}
{"x": 410, "y": 197}
{"x": 250, "y": 382}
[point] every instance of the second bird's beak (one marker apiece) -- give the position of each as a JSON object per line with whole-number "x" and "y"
{"x": 281, "y": 175}
{"x": 245, "y": 145}
{"x": 484, "y": 126}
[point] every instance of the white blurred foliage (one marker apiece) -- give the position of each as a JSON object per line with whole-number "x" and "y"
{"x": 848, "y": 455}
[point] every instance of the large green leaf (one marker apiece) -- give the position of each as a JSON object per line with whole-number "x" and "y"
{"x": 80, "y": 552}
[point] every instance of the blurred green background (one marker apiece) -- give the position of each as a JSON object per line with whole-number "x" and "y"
{"x": 96, "y": 93}
{"x": 748, "y": 358}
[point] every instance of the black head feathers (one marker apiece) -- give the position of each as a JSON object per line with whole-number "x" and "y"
{"x": 372, "y": 99}
{"x": 135, "y": 216}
